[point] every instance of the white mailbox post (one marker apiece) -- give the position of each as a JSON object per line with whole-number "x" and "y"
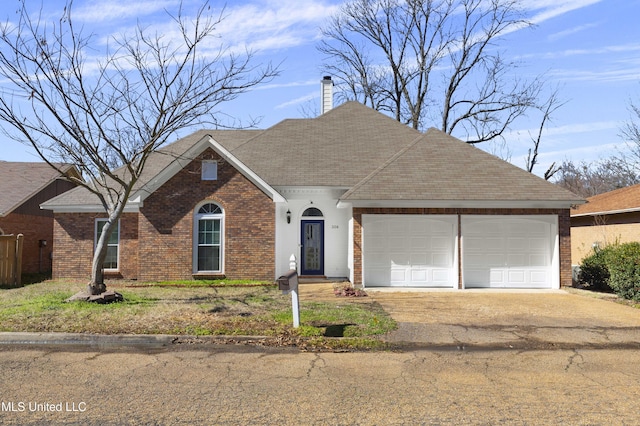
{"x": 288, "y": 283}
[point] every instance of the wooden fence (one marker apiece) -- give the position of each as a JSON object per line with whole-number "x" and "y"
{"x": 11, "y": 260}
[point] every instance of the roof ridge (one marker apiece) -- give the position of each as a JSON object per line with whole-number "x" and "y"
{"x": 383, "y": 166}
{"x": 258, "y": 133}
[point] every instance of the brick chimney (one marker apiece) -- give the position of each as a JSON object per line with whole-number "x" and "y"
{"x": 326, "y": 94}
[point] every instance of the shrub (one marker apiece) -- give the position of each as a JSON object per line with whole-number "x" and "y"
{"x": 623, "y": 263}
{"x": 594, "y": 270}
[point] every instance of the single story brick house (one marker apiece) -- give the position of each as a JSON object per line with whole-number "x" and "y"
{"x": 604, "y": 219}
{"x": 351, "y": 193}
{"x": 23, "y": 186}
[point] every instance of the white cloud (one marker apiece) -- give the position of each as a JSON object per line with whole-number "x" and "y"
{"x": 604, "y": 50}
{"x": 570, "y": 129}
{"x": 300, "y": 100}
{"x": 571, "y": 31}
{"x": 110, "y": 10}
{"x": 258, "y": 25}
{"x": 610, "y": 75}
{"x": 585, "y": 152}
{"x": 548, "y": 9}
{"x": 519, "y": 141}
{"x": 288, "y": 84}
{"x": 275, "y": 25}
{"x": 612, "y": 63}
{"x": 567, "y": 129}
{"x": 543, "y": 10}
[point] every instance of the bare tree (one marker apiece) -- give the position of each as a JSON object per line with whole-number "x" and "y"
{"x": 631, "y": 129}
{"x": 416, "y": 57}
{"x": 631, "y": 134}
{"x": 107, "y": 114}
{"x": 547, "y": 109}
{"x": 589, "y": 179}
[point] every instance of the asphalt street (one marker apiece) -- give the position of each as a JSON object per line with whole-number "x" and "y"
{"x": 483, "y": 358}
{"x": 242, "y": 385}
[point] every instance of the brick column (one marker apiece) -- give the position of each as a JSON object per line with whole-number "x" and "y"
{"x": 357, "y": 248}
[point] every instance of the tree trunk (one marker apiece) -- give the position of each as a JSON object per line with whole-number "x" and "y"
{"x": 95, "y": 288}
{"x": 96, "y": 285}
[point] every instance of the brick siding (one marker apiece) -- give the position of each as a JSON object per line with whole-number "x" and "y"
{"x": 156, "y": 244}
{"x": 34, "y": 228}
{"x": 167, "y": 224}
{"x": 73, "y": 240}
{"x": 564, "y": 231}
{"x": 35, "y": 224}
{"x": 602, "y": 230}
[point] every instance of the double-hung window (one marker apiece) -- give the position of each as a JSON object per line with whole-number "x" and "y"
{"x": 208, "y": 244}
{"x": 113, "y": 244}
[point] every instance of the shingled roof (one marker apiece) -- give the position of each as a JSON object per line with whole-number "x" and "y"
{"x": 364, "y": 152}
{"x": 20, "y": 181}
{"x": 621, "y": 200}
{"x": 338, "y": 148}
{"x": 437, "y": 166}
{"x": 158, "y": 161}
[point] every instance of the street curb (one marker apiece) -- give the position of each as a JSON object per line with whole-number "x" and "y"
{"x": 115, "y": 340}
{"x": 23, "y": 338}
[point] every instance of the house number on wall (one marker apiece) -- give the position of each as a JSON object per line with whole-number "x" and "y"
{"x": 334, "y": 226}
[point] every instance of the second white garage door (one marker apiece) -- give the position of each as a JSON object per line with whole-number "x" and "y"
{"x": 409, "y": 250}
{"x": 508, "y": 251}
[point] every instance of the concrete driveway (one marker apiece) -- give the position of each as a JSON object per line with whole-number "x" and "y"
{"x": 503, "y": 319}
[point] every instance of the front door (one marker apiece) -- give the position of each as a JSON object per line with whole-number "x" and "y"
{"x": 312, "y": 247}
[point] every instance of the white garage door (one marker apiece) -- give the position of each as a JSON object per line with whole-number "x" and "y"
{"x": 409, "y": 250}
{"x": 508, "y": 251}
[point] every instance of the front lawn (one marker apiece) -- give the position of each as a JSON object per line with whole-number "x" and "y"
{"x": 201, "y": 308}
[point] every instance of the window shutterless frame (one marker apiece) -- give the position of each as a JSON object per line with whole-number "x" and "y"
{"x": 208, "y": 239}
{"x": 112, "y": 260}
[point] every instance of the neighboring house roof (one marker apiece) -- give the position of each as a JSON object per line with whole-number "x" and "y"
{"x": 20, "y": 181}
{"x": 357, "y": 149}
{"x": 623, "y": 200}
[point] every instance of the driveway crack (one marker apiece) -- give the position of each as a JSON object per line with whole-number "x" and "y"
{"x": 576, "y": 359}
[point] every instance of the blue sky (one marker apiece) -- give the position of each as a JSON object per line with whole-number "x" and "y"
{"x": 589, "y": 48}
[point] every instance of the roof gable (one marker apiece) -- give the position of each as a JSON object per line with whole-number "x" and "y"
{"x": 618, "y": 201}
{"x": 439, "y": 167}
{"x": 181, "y": 159}
{"x": 161, "y": 166}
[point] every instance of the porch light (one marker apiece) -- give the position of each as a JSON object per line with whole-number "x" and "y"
{"x": 288, "y": 216}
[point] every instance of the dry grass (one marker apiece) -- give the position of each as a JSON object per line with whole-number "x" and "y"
{"x": 146, "y": 310}
{"x": 179, "y": 310}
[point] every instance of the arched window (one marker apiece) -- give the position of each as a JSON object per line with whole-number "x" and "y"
{"x": 312, "y": 212}
{"x": 210, "y": 208}
{"x": 208, "y": 238}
